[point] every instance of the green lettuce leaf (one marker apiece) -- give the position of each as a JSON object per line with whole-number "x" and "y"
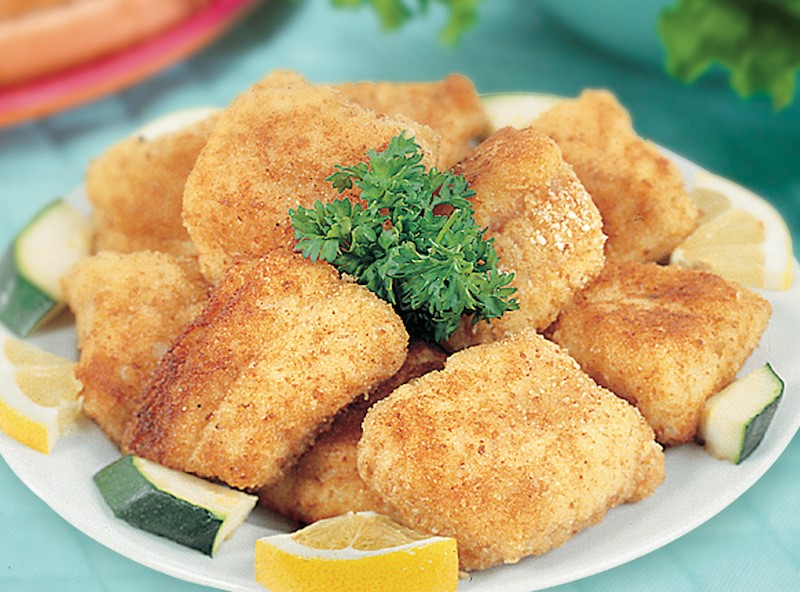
{"x": 757, "y": 41}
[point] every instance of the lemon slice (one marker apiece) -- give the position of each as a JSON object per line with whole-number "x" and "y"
{"x": 39, "y": 399}
{"x": 741, "y": 236}
{"x": 174, "y": 122}
{"x": 356, "y": 552}
{"x": 22, "y": 353}
{"x": 516, "y": 109}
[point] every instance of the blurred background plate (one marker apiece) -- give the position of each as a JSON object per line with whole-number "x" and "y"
{"x": 109, "y": 74}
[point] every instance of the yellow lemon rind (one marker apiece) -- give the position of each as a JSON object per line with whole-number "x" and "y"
{"x": 39, "y": 395}
{"x": 35, "y": 426}
{"x": 282, "y": 565}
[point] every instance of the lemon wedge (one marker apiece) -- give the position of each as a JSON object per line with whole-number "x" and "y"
{"x": 39, "y": 399}
{"x": 741, "y": 236}
{"x": 516, "y": 110}
{"x": 356, "y": 552}
{"x": 21, "y": 353}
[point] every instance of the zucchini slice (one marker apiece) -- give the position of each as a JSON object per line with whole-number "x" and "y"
{"x": 32, "y": 266}
{"x": 735, "y": 419}
{"x": 182, "y": 507}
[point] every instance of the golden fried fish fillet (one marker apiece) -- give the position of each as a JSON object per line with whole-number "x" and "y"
{"x": 663, "y": 338}
{"x": 136, "y": 187}
{"x": 511, "y": 449}
{"x": 282, "y": 346}
{"x": 128, "y": 309}
{"x": 272, "y": 150}
{"x": 325, "y": 481}
{"x": 450, "y": 107}
{"x": 639, "y": 192}
{"x": 545, "y": 227}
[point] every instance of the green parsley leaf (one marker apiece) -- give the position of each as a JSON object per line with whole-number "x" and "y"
{"x": 755, "y": 40}
{"x": 393, "y": 14}
{"x": 412, "y": 240}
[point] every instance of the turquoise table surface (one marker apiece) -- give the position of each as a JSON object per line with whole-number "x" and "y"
{"x": 754, "y": 544}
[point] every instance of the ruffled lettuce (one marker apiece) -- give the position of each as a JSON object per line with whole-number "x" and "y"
{"x": 757, "y": 41}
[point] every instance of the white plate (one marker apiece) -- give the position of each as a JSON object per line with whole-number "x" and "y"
{"x": 696, "y": 487}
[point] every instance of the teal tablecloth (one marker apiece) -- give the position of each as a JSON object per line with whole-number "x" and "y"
{"x": 752, "y": 545}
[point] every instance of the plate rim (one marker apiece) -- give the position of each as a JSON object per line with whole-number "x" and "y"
{"x": 16, "y": 456}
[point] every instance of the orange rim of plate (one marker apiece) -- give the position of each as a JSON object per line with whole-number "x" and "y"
{"x": 111, "y": 73}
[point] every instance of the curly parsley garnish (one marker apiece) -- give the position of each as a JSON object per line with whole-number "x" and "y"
{"x": 413, "y": 241}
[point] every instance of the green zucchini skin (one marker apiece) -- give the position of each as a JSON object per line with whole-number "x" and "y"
{"x": 735, "y": 420}
{"x": 756, "y": 428}
{"x": 23, "y": 306}
{"x": 30, "y": 269}
{"x": 139, "y": 502}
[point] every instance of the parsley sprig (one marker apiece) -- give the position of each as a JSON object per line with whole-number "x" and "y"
{"x": 412, "y": 240}
{"x": 393, "y": 14}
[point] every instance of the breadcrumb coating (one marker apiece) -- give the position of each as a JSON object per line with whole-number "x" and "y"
{"x": 282, "y": 346}
{"x": 271, "y": 150}
{"x": 325, "y": 481}
{"x": 128, "y": 309}
{"x": 545, "y": 227}
{"x": 451, "y": 107}
{"x": 136, "y": 187}
{"x": 511, "y": 449}
{"x": 640, "y": 193}
{"x": 664, "y": 338}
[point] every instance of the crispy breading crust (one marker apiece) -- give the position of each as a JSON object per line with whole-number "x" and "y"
{"x": 450, "y": 107}
{"x": 281, "y": 347}
{"x": 136, "y": 191}
{"x": 640, "y": 193}
{"x": 128, "y": 309}
{"x": 511, "y": 449}
{"x": 325, "y": 481}
{"x": 271, "y": 150}
{"x": 545, "y": 227}
{"x": 664, "y": 338}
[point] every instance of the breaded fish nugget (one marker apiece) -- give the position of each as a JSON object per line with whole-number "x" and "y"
{"x": 282, "y": 346}
{"x": 450, "y": 107}
{"x": 511, "y": 449}
{"x": 664, "y": 338}
{"x": 325, "y": 481}
{"x": 128, "y": 309}
{"x": 272, "y": 150}
{"x": 545, "y": 227}
{"x": 136, "y": 190}
{"x": 640, "y": 193}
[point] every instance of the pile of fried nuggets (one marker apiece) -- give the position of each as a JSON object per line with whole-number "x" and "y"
{"x": 208, "y": 345}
